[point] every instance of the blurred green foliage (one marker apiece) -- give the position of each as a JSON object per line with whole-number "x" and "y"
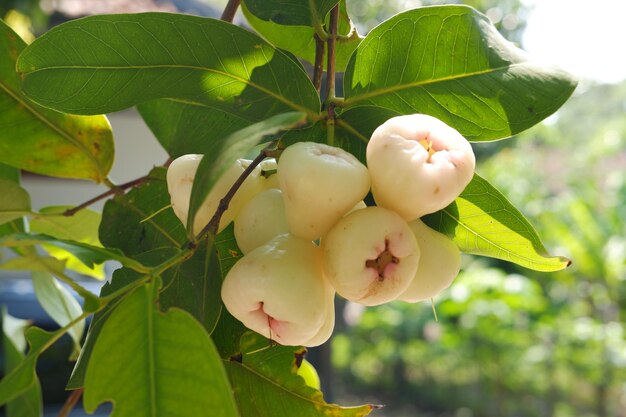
{"x": 509, "y": 16}
{"x": 510, "y": 342}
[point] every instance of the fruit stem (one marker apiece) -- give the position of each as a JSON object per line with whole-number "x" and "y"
{"x": 230, "y": 10}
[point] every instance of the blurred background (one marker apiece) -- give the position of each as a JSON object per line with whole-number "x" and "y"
{"x": 505, "y": 342}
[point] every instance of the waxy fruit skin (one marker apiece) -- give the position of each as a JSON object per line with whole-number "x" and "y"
{"x": 370, "y": 256}
{"x": 279, "y": 290}
{"x": 180, "y": 175}
{"x": 260, "y": 220}
{"x": 418, "y": 165}
{"x": 440, "y": 263}
{"x": 320, "y": 184}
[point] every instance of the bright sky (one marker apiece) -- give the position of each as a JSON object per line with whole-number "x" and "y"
{"x": 586, "y": 38}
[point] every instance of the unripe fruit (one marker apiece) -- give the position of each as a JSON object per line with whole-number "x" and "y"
{"x": 418, "y": 165}
{"x": 279, "y": 291}
{"x": 180, "y": 176}
{"x": 308, "y": 372}
{"x": 440, "y": 263}
{"x": 320, "y": 184}
{"x": 260, "y": 220}
{"x": 370, "y": 256}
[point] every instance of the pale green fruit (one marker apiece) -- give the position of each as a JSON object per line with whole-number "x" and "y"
{"x": 440, "y": 263}
{"x": 279, "y": 291}
{"x": 418, "y": 165}
{"x": 308, "y": 372}
{"x": 370, "y": 256}
{"x": 260, "y": 220}
{"x": 180, "y": 175}
{"x": 320, "y": 184}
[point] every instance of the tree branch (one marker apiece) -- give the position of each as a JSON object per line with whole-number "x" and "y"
{"x": 330, "y": 75}
{"x": 71, "y": 401}
{"x": 330, "y": 64}
{"x": 230, "y": 10}
{"x": 318, "y": 67}
{"x": 116, "y": 190}
{"x": 213, "y": 224}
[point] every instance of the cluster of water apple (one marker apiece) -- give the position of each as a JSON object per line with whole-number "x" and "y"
{"x": 306, "y": 233}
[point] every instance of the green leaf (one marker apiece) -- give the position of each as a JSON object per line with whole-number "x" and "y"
{"x": 226, "y": 152}
{"x": 136, "y": 223}
{"x": 268, "y": 383}
{"x": 80, "y": 227}
{"x": 29, "y": 403}
{"x": 14, "y": 201}
{"x": 450, "y": 62}
{"x": 167, "y": 362}
{"x": 193, "y": 284}
{"x": 22, "y": 377}
{"x": 34, "y": 263}
{"x": 291, "y": 12}
{"x": 121, "y": 278}
{"x": 60, "y": 305}
{"x": 11, "y": 174}
{"x": 184, "y": 128}
{"x": 93, "y": 65}
{"x": 300, "y": 40}
{"x": 88, "y": 254}
{"x": 43, "y": 141}
{"x": 482, "y": 222}
{"x": 228, "y": 330}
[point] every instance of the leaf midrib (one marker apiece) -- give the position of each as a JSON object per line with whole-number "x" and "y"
{"x": 511, "y": 254}
{"x": 289, "y": 392}
{"x": 310, "y": 113}
{"x": 64, "y": 134}
{"x": 349, "y": 102}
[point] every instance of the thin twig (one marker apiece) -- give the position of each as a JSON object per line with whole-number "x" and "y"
{"x": 116, "y": 190}
{"x": 212, "y": 226}
{"x": 230, "y": 10}
{"x": 330, "y": 64}
{"x": 318, "y": 67}
{"x": 71, "y": 401}
{"x": 330, "y": 75}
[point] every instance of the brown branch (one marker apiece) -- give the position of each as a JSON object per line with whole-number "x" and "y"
{"x": 118, "y": 189}
{"x": 330, "y": 65}
{"x": 230, "y": 10}
{"x": 213, "y": 224}
{"x": 318, "y": 67}
{"x": 71, "y": 401}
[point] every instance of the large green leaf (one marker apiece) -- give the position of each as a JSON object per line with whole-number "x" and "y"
{"x": 268, "y": 384}
{"x": 14, "y": 201}
{"x": 167, "y": 362}
{"x": 451, "y": 62}
{"x": 291, "y": 12}
{"x": 29, "y": 403}
{"x": 43, "y": 141}
{"x": 81, "y": 227}
{"x": 88, "y": 254}
{"x": 482, "y": 222}
{"x": 110, "y": 62}
{"x": 121, "y": 278}
{"x": 22, "y": 376}
{"x": 136, "y": 223}
{"x": 129, "y": 224}
{"x": 60, "y": 305}
{"x": 300, "y": 40}
{"x": 227, "y": 151}
{"x": 11, "y": 174}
